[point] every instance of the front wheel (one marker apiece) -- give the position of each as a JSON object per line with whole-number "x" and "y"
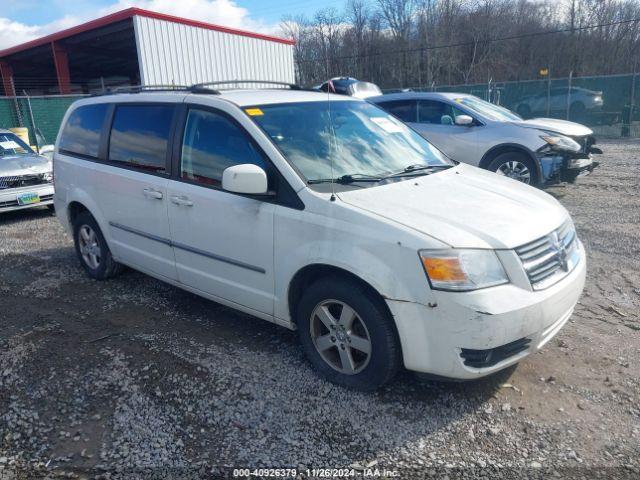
{"x": 347, "y": 334}
{"x": 515, "y": 165}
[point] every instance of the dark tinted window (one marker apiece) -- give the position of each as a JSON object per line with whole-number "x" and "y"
{"x": 432, "y": 111}
{"x": 140, "y": 135}
{"x": 81, "y": 134}
{"x": 405, "y": 110}
{"x": 211, "y": 144}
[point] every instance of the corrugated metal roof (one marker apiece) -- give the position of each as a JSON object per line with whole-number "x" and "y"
{"x": 138, "y": 12}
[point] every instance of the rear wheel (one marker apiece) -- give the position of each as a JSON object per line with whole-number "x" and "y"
{"x": 92, "y": 249}
{"x": 515, "y": 165}
{"x": 347, "y": 334}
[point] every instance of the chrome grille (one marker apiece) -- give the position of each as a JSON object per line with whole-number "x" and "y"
{"x": 6, "y": 181}
{"x": 18, "y": 181}
{"x": 550, "y": 258}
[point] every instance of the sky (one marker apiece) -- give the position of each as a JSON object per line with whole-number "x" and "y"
{"x": 24, "y": 20}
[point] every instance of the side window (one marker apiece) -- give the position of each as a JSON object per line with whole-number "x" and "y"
{"x": 81, "y": 134}
{"x": 211, "y": 144}
{"x": 431, "y": 111}
{"x": 140, "y": 135}
{"x": 405, "y": 110}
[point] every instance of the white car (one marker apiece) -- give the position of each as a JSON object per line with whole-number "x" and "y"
{"x": 540, "y": 151}
{"x": 332, "y": 218}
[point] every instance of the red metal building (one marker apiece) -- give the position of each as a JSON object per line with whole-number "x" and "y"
{"x": 137, "y": 46}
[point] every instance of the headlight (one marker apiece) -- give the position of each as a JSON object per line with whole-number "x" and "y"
{"x": 560, "y": 142}
{"x": 462, "y": 270}
{"x": 48, "y": 177}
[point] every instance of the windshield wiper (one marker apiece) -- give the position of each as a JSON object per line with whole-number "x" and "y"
{"x": 346, "y": 179}
{"x": 418, "y": 169}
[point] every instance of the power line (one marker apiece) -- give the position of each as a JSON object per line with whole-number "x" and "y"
{"x": 488, "y": 40}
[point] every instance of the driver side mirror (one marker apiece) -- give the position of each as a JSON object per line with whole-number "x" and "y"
{"x": 247, "y": 178}
{"x": 464, "y": 120}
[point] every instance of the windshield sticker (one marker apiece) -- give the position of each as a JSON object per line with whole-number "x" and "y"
{"x": 458, "y": 100}
{"x": 9, "y": 145}
{"x": 254, "y": 112}
{"x": 386, "y": 124}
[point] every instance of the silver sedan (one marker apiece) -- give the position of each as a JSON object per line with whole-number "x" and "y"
{"x": 26, "y": 178}
{"x": 540, "y": 151}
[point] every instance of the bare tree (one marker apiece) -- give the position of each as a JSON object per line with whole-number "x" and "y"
{"x": 419, "y": 42}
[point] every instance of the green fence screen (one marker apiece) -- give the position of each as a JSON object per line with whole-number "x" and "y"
{"x": 607, "y": 104}
{"x": 45, "y": 115}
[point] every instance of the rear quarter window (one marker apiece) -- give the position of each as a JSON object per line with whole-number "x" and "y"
{"x": 81, "y": 134}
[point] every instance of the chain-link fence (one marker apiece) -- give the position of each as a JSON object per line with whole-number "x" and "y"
{"x": 41, "y": 115}
{"x": 606, "y": 104}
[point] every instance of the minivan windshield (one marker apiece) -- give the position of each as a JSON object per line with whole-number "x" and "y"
{"x": 11, "y": 145}
{"x": 489, "y": 110}
{"x": 363, "y": 141}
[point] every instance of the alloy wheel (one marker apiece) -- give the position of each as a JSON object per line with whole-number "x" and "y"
{"x": 89, "y": 246}
{"x": 341, "y": 337}
{"x": 516, "y": 170}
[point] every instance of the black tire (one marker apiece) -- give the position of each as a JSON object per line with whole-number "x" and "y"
{"x": 385, "y": 357}
{"x": 107, "y": 267}
{"x": 52, "y": 208}
{"x": 507, "y": 157}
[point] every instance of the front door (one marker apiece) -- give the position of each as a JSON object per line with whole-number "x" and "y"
{"x": 436, "y": 123}
{"x": 223, "y": 242}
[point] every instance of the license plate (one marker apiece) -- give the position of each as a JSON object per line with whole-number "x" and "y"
{"x": 28, "y": 198}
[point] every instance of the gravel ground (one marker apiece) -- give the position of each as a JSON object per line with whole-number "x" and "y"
{"x": 133, "y": 378}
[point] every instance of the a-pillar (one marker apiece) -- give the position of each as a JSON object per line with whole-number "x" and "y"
{"x": 7, "y": 78}
{"x": 61, "y": 60}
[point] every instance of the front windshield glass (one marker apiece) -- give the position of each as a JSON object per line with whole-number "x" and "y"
{"x": 11, "y": 145}
{"x": 362, "y": 139}
{"x": 489, "y": 110}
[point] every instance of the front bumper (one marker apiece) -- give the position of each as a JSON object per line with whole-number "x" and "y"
{"x": 436, "y": 340}
{"x": 559, "y": 167}
{"x": 565, "y": 168}
{"x": 9, "y": 197}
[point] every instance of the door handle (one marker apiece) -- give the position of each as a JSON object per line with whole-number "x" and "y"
{"x": 181, "y": 200}
{"x": 151, "y": 193}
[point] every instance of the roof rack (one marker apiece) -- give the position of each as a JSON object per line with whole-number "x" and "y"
{"x": 157, "y": 88}
{"x": 200, "y": 88}
{"x": 291, "y": 86}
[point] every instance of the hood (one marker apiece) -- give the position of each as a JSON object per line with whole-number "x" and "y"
{"x": 563, "y": 127}
{"x": 465, "y": 207}
{"x": 13, "y": 165}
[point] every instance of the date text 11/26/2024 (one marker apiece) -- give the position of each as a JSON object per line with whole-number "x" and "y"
{"x": 366, "y": 472}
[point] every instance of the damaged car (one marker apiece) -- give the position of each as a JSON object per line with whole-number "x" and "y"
{"x": 539, "y": 151}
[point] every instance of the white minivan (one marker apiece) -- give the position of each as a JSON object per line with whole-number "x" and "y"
{"x": 320, "y": 213}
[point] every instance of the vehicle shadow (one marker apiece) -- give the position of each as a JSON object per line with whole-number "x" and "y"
{"x": 17, "y": 216}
